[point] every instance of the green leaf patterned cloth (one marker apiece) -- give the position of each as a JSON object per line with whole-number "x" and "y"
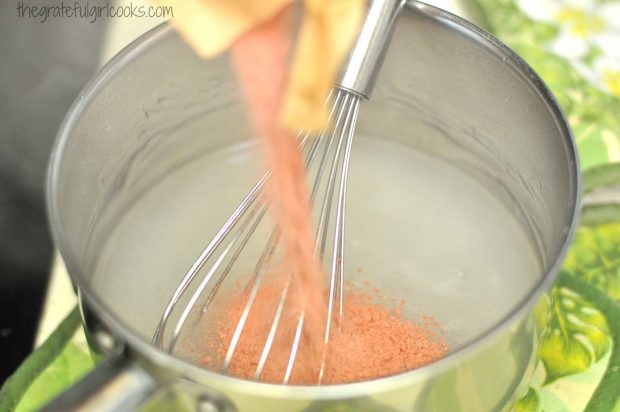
{"x": 574, "y": 45}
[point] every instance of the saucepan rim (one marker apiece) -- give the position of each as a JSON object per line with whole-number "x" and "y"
{"x": 145, "y": 352}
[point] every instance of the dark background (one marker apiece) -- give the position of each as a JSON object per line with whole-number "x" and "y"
{"x": 43, "y": 66}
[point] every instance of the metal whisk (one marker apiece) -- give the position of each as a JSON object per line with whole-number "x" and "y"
{"x": 332, "y": 149}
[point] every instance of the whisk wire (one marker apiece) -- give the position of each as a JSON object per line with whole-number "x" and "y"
{"x": 278, "y": 313}
{"x": 233, "y": 237}
{"x": 294, "y": 348}
{"x": 226, "y": 271}
{"x": 337, "y": 272}
{"x": 344, "y": 106}
{"x": 337, "y": 251}
{"x": 245, "y": 204}
{"x": 357, "y": 80}
{"x": 340, "y": 213}
{"x": 248, "y": 201}
{"x": 255, "y": 285}
{"x": 272, "y": 329}
{"x": 257, "y": 277}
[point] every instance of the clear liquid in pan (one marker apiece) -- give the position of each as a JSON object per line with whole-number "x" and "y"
{"x": 417, "y": 228}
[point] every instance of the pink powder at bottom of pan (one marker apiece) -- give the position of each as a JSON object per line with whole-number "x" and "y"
{"x": 371, "y": 341}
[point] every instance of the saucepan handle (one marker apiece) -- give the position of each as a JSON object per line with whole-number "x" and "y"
{"x": 117, "y": 384}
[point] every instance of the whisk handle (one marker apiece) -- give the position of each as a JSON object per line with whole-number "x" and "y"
{"x": 362, "y": 67}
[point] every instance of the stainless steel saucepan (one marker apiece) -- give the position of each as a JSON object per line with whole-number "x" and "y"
{"x": 457, "y": 122}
